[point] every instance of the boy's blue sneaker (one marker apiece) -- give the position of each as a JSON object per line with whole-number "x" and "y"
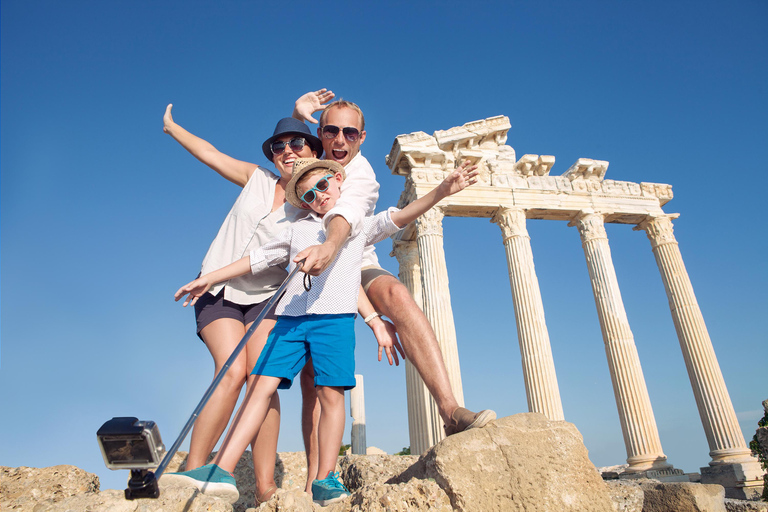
{"x": 210, "y": 479}
{"x": 328, "y": 490}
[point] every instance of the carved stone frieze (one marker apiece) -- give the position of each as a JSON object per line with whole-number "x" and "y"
{"x": 430, "y": 223}
{"x": 587, "y": 169}
{"x": 660, "y": 190}
{"x": 406, "y": 252}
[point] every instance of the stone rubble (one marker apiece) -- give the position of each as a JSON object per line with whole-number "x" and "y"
{"x": 521, "y": 462}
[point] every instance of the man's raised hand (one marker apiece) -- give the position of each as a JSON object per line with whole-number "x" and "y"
{"x": 310, "y": 103}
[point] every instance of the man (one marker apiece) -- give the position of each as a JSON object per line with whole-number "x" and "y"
{"x": 342, "y": 132}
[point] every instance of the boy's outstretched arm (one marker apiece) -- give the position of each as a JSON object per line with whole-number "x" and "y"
{"x": 202, "y": 284}
{"x": 464, "y": 176}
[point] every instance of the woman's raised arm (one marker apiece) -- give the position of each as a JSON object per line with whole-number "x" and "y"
{"x": 236, "y": 171}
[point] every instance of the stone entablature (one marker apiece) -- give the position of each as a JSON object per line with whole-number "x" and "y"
{"x": 526, "y": 183}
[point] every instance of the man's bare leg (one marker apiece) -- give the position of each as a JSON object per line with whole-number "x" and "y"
{"x": 310, "y": 418}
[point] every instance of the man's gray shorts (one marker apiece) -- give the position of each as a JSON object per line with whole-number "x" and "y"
{"x": 369, "y": 274}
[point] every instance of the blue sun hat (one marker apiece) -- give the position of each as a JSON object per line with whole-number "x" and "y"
{"x": 291, "y": 126}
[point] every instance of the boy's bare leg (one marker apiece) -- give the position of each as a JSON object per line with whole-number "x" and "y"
{"x": 310, "y": 417}
{"x": 264, "y": 445}
{"x": 391, "y": 298}
{"x": 330, "y": 429}
{"x": 247, "y": 422}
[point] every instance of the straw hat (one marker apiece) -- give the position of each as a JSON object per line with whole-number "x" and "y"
{"x": 301, "y": 167}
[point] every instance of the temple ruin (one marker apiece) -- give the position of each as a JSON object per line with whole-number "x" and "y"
{"x": 511, "y": 191}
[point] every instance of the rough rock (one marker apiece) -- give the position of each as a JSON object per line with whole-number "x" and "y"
{"x": 405, "y": 497}
{"x": 289, "y": 501}
{"x": 521, "y": 462}
{"x": 682, "y": 497}
{"x": 626, "y": 496}
{"x": 22, "y": 488}
{"x": 745, "y": 506}
{"x": 360, "y": 470}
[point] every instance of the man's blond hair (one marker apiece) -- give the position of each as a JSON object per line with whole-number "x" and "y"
{"x": 342, "y": 103}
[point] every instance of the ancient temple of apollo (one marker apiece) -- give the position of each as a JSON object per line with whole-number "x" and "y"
{"x": 510, "y": 192}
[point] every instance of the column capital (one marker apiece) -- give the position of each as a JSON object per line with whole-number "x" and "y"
{"x": 591, "y": 225}
{"x": 511, "y": 220}
{"x": 431, "y": 222}
{"x": 659, "y": 229}
{"x": 406, "y": 252}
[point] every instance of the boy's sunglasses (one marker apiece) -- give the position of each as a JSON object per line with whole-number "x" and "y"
{"x": 321, "y": 186}
{"x": 351, "y": 134}
{"x": 297, "y": 144}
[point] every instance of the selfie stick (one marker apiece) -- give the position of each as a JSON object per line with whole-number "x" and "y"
{"x": 140, "y": 488}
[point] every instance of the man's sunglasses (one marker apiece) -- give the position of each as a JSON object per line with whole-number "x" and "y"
{"x": 321, "y": 186}
{"x": 350, "y": 133}
{"x": 297, "y": 144}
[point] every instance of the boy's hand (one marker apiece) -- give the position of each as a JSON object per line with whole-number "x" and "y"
{"x": 310, "y": 103}
{"x": 195, "y": 289}
{"x": 386, "y": 337}
{"x": 464, "y": 176}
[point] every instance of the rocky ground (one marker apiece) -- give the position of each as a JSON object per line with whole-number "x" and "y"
{"x": 518, "y": 463}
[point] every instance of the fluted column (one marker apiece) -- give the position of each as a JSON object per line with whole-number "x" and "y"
{"x": 538, "y": 364}
{"x": 357, "y": 411}
{"x": 726, "y": 441}
{"x": 424, "y": 422}
{"x": 437, "y": 296}
{"x": 641, "y": 436}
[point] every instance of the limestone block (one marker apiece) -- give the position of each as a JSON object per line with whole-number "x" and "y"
{"x": 521, "y": 462}
{"x": 682, "y": 497}
{"x": 742, "y": 480}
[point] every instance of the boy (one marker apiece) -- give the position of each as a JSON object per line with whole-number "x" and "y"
{"x": 318, "y": 324}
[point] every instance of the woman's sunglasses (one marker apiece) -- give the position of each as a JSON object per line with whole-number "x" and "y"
{"x": 297, "y": 144}
{"x": 321, "y": 186}
{"x": 351, "y": 134}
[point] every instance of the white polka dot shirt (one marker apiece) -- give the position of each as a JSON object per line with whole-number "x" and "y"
{"x": 335, "y": 290}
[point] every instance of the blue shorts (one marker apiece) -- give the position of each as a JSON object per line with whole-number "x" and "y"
{"x": 328, "y": 339}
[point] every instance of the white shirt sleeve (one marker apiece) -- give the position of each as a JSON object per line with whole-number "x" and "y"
{"x": 275, "y": 252}
{"x": 359, "y": 194}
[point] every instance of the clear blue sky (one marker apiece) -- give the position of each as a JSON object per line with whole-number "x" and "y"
{"x": 104, "y": 216}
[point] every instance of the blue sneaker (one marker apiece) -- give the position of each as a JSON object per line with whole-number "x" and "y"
{"x": 210, "y": 479}
{"x": 329, "y": 490}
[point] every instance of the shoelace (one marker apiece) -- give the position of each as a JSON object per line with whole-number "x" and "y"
{"x": 337, "y": 481}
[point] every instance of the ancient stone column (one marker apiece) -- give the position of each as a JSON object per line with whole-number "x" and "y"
{"x": 424, "y": 422}
{"x": 726, "y": 441}
{"x": 357, "y": 411}
{"x": 538, "y": 365}
{"x": 641, "y": 436}
{"x": 437, "y": 296}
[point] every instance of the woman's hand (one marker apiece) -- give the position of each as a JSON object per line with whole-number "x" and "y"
{"x": 168, "y": 118}
{"x": 195, "y": 289}
{"x": 310, "y": 103}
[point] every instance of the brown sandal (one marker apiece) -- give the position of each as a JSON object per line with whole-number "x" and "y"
{"x": 268, "y": 495}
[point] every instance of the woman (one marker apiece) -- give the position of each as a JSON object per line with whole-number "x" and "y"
{"x": 225, "y": 313}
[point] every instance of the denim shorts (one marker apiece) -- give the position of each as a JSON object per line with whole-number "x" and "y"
{"x": 329, "y": 340}
{"x": 209, "y": 308}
